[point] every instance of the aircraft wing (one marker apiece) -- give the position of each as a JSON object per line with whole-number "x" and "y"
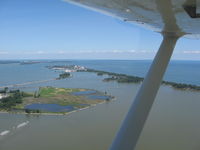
{"x": 177, "y": 16}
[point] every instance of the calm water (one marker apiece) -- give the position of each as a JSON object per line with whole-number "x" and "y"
{"x": 50, "y": 107}
{"x": 173, "y": 124}
{"x": 99, "y": 97}
{"x": 84, "y": 92}
{"x": 178, "y": 71}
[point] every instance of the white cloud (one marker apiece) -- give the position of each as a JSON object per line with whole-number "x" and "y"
{"x": 40, "y": 52}
{"x": 61, "y": 52}
{"x": 3, "y": 52}
{"x": 132, "y": 51}
{"x": 104, "y": 51}
{"x": 191, "y": 52}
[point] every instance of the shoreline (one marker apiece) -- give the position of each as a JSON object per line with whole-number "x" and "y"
{"x": 26, "y": 83}
{"x": 17, "y": 101}
{"x": 50, "y": 113}
{"x": 124, "y": 78}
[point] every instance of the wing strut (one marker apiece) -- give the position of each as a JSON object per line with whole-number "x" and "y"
{"x": 128, "y": 135}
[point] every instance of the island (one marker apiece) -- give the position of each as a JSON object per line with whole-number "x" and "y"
{"x": 121, "y": 78}
{"x": 30, "y": 62}
{"x": 63, "y": 76}
{"x": 50, "y": 100}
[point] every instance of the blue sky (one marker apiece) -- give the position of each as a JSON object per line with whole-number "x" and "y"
{"x": 41, "y": 29}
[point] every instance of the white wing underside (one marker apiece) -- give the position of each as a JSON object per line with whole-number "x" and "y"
{"x": 166, "y": 16}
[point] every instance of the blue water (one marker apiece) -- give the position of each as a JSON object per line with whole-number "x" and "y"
{"x": 50, "y": 107}
{"x": 100, "y": 97}
{"x": 16, "y": 73}
{"x": 84, "y": 93}
{"x": 178, "y": 71}
{"x": 174, "y": 120}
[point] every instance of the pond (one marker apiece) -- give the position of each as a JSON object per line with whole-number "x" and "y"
{"x": 84, "y": 92}
{"x": 50, "y": 107}
{"x": 100, "y": 97}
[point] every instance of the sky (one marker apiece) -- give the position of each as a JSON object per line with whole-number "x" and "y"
{"x": 54, "y": 29}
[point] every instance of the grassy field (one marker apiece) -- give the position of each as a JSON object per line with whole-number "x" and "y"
{"x": 17, "y": 100}
{"x": 51, "y": 91}
{"x": 61, "y": 96}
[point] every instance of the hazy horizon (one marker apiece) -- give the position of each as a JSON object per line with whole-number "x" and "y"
{"x": 37, "y": 29}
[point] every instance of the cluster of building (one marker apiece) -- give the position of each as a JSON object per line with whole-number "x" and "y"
{"x": 75, "y": 69}
{"x": 3, "y": 95}
{"x": 70, "y": 68}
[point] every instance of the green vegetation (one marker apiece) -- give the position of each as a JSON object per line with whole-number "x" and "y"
{"x": 32, "y": 111}
{"x": 61, "y": 96}
{"x": 99, "y": 74}
{"x": 16, "y": 100}
{"x": 182, "y": 86}
{"x": 123, "y": 78}
{"x": 52, "y": 91}
{"x": 5, "y": 90}
{"x": 11, "y": 99}
{"x": 64, "y": 75}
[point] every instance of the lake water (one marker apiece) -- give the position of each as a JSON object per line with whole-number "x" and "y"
{"x": 173, "y": 124}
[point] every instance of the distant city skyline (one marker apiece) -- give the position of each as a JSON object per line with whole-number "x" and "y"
{"x": 54, "y": 29}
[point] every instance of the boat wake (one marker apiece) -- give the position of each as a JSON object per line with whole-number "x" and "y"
{"x": 4, "y": 132}
{"x": 22, "y": 124}
{"x": 14, "y": 128}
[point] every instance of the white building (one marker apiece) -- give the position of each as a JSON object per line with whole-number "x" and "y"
{"x": 3, "y": 95}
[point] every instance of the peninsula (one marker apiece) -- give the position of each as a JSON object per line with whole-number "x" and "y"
{"x": 122, "y": 78}
{"x": 50, "y": 100}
